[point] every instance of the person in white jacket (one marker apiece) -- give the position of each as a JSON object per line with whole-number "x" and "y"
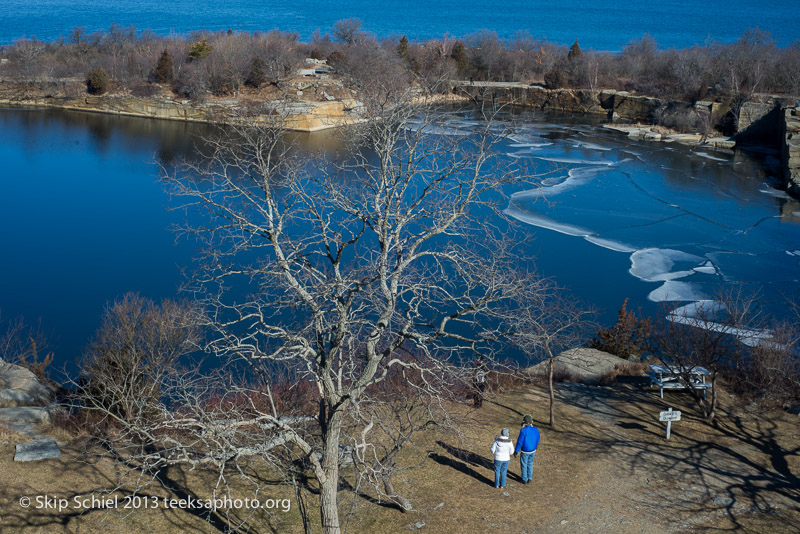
{"x": 502, "y": 448}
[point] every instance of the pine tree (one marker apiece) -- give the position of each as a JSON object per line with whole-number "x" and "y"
{"x": 459, "y": 55}
{"x": 574, "y": 51}
{"x": 199, "y": 50}
{"x": 165, "y": 70}
{"x": 97, "y": 81}
{"x": 402, "y": 48}
{"x": 257, "y": 74}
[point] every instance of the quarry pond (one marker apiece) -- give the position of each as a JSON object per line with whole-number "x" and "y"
{"x": 85, "y": 219}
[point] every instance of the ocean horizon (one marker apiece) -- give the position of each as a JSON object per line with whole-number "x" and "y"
{"x": 676, "y": 24}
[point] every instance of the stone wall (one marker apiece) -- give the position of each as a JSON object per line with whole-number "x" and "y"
{"x": 607, "y": 102}
{"x": 759, "y": 123}
{"x": 790, "y": 149}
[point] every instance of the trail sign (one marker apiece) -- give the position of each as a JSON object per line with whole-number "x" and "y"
{"x": 669, "y": 416}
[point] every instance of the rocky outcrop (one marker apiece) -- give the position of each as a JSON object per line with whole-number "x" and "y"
{"x": 20, "y": 387}
{"x": 760, "y": 122}
{"x": 299, "y": 116}
{"x": 25, "y": 403}
{"x": 608, "y": 102}
{"x": 790, "y": 149}
{"x": 582, "y": 364}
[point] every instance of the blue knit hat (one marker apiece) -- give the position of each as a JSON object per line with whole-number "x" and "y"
{"x": 504, "y": 432}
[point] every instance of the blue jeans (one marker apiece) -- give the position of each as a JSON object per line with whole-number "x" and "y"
{"x": 526, "y": 464}
{"x": 500, "y": 470}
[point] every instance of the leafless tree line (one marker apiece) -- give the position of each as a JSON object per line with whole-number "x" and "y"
{"x": 733, "y": 71}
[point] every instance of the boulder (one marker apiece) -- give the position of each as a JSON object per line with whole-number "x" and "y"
{"x": 33, "y": 414}
{"x": 584, "y": 364}
{"x": 40, "y": 449}
{"x": 20, "y": 379}
{"x": 14, "y": 397}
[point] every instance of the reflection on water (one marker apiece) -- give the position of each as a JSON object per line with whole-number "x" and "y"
{"x": 86, "y": 220}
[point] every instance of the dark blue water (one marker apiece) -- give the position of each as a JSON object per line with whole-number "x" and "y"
{"x": 84, "y": 219}
{"x": 605, "y": 25}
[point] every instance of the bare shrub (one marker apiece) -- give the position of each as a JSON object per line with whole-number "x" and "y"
{"x": 555, "y": 78}
{"x": 145, "y": 90}
{"x": 25, "y": 345}
{"x": 770, "y": 372}
{"x": 137, "y": 346}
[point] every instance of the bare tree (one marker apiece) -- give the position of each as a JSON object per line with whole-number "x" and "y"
{"x": 348, "y": 31}
{"x": 342, "y": 263}
{"x": 713, "y": 334}
{"x": 387, "y": 420}
{"x": 549, "y": 325}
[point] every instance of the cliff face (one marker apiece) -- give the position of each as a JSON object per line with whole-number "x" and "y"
{"x": 790, "y": 149}
{"x": 759, "y": 123}
{"x": 764, "y": 123}
{"x": 299, "y": 116}
{"x": 607, "y": 101}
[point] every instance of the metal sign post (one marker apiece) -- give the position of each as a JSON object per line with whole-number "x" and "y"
{"x": 669, "y": 416}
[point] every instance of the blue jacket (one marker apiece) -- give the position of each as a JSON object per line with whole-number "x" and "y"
{"x": 528, "y": 439}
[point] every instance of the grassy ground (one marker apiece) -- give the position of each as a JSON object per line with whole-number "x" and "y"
{"x": 605, "y": 467}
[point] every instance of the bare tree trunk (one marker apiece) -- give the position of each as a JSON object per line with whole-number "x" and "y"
{"x": 330, "y": 465}
{"x": 713, "y": 412}
{"x": 302, "y": 505}
{"x": 552, "y": 393}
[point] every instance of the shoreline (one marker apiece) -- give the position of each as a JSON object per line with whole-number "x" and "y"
{"x": 299, "y": 117}
{"x": 765, "y": 123}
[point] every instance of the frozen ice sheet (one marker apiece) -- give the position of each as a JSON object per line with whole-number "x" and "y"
{"x": 658, "y": 264}
{"x": 673, "y": 290}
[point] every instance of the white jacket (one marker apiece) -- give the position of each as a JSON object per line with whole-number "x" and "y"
{"x": 503, "y": 448}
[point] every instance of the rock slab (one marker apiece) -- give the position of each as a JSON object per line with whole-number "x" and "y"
{"x": 17, "y": 397}
{"x": 586, "y": 365}
{"x": 41, "y": 449}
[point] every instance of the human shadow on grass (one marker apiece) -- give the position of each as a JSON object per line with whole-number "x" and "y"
{"x": 464, "y": 459}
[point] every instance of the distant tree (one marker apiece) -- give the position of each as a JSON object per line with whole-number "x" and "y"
{"x": 199, "y": 50}
{"x": 402, "y": 48}
{"x": 348, "y": 31}
{"x": 257, "y": 75}
{"x": 459, "y": 56}
{"x": 97, "y": 81}
{"x": 574, "y": 51}
{"x": 555, "y": 78}
{"x": 165, "y": 69}
{"x": 628, "y": 337}
{"x": 337, "y": 58}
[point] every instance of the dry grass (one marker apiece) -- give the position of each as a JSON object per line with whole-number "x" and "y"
{"x": 606, "y": 467}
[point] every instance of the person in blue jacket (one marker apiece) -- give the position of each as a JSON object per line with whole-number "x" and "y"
{"x": 527, "y": 442}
